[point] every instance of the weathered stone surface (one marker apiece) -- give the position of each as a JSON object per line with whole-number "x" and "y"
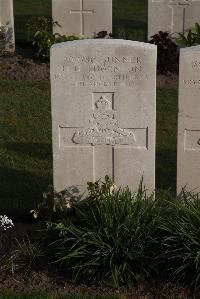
{"x": 7, "y": 20}
{"x": 103, "y": 112}
{"x": 82, "y": 17}
{"x": 188, "y": 170}
{"x": 172, "y": 15}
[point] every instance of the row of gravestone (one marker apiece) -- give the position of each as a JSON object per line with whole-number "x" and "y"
{"x": 88, "y": 17}
{"x": 104, "y": 114}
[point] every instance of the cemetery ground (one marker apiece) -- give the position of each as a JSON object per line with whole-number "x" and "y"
{"x": 26, "y": 171}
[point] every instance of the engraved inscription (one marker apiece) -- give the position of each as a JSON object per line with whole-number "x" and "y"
{"x": 192, "y": 140}
{"x": 191, "y": 82}
{"x": 104, "y": 128}
{"x": 195, "y": 64}
{"x": 110, "y": 71}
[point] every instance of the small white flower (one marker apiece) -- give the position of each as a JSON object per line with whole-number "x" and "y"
{"x": 34, "y": 213}
{"x": 5, "y": 222}
{"x": 113, "y": 188}
{"x": 68, "y": 205}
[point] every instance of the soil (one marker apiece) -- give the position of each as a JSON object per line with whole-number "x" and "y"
{"x": 43, "y": 282}
{"x": 22, "y": 66}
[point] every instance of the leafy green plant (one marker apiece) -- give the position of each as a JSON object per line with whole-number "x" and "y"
{"x": 190, "y": 38}
{"x": 181, "y": 239}
{"x": 115, "y": 243}
{"x": 35, "y": 24}
{"x": 26, "y": 256}
{"x": 59, "y": 206}
{"x": 168, "y": 56}
{"x": 41, "y": 35}
{"x": 43, "y": 41}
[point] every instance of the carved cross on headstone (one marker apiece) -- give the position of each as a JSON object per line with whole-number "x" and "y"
{"x": 82, "y": 12}
{"x": 175, "y": 6}
{"x": 103, "y": 131}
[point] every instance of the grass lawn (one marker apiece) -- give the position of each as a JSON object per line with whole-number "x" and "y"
{"x": 25, "y": 143}
{"x": 166, "y": 148}
{"x": 129, "y": 16}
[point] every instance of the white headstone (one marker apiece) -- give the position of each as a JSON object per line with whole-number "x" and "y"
{"x": 188, "y": 169}
{"x": 83, "y": 18}
{"x": 7, "y": 23}
{"x": 103, "y": 112}
{"x": 173, "y": 16}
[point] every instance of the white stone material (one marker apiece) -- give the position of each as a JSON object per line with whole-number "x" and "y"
{"x": 7, "y": 20}
{"x": 103, "y": 112}
{"x": 173, "y": 16}
{"x": 188, "y": 159}
{"x": 83, "y": 18}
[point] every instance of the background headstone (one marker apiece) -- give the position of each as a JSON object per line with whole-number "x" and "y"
{"x": 7, "y": 20}
{"x": 82, "y": 17}
{"x": 173, "y": 16}
{"x": 103, "y": 112}
{"x": 188, "y": 170}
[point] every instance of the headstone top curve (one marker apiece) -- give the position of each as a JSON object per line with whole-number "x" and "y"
{"x": 104, "y": 42}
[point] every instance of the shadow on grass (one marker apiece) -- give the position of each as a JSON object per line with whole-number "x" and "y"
{"x": 166, "y": 169}
{"x": 35, "y": 150}
{"x": 21, "y": 191}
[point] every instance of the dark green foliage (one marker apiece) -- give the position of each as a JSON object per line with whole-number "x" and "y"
{"x": 115, "y": 243}
{"x": 116, "y": 237}
{"x": 26, "y": 256}
{"x": 40, "y": 32}
{"x": 181, "y": 240}
{"x": 59, "y": 206}
{"x": 168, "y": 56}
{"x": 43, "y": 40}
{"x": 186, "y": 40}
{"x": 190, "y": 38}
{"x": 123, "y": 238}
{"x": 37, "y": 23}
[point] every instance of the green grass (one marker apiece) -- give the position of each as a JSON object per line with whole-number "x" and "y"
{"x": 129, "y": 16}
{"x": 26, "y": 150}
{"x": 166, "y": 148}
{"x": 42, "y": 296}
{"x": 25, "y": 144}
